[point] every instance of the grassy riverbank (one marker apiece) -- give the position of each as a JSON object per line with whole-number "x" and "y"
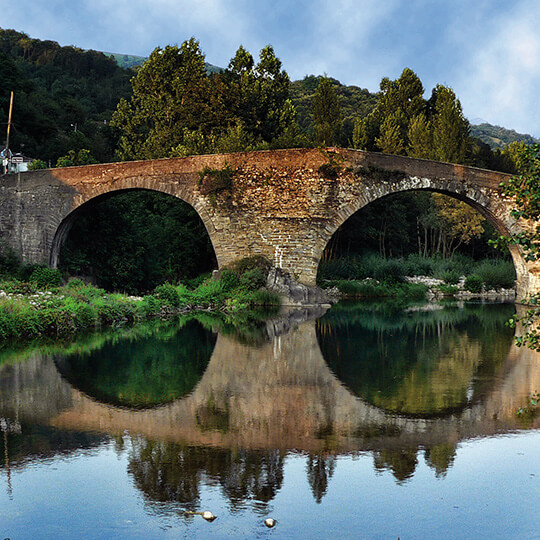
{"x": 373, "y": 276}
{"x": 30, "y": 309}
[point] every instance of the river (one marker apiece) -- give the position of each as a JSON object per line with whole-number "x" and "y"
{"x": 370, "y": 421}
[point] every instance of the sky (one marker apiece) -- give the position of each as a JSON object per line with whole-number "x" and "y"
{"x": 488, "y": 51}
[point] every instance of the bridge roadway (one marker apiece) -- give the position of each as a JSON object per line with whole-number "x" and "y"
{"x": 283, "y": 204}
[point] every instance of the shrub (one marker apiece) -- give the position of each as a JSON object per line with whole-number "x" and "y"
{"x": 248, "y": 263}
{"x": 419, "y": 266}
{"x": 497, "y": 274}
{"x": 229, "y": 279}
{"x": 473, "y": 283}
{"x": 451, "y": 277}
{"x": 390, "y": 270}
{"x": 168, "y": 294}
{"x": 253, "y": 279}
{"x": 447, "y": 289}
{"x": 46, "y": 277}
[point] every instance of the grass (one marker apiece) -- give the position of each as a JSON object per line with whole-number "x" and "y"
{"x": 358, "y": 270}
{"x": 77, "y": 307}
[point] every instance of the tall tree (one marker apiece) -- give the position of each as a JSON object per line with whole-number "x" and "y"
{"x": 327, "y": 114}
{"x": 450, "y": 128}
{"x": 170, "y": 94}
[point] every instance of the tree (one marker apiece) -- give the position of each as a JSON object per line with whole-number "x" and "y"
{"x": 387, "y": 127}
{"x": 170, "y": 94}
{"x": 74, "y": 158}
{"x": 327, "y": 114}
{"x": 525, "y": 189}
{"x": 450, "y": 128}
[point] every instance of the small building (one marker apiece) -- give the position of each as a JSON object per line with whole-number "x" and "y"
{"x": 14, "y": 163}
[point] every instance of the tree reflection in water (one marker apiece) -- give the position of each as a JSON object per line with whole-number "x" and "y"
{"x": 320, "y": 469}
{"x": 170, "y": 472}
{"x": 413, "y": 362}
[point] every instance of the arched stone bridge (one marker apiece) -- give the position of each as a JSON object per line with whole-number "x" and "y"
{"x": 283, "y": 204}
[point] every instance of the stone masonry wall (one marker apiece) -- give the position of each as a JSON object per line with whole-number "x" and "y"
{"x": 285, "y": 204}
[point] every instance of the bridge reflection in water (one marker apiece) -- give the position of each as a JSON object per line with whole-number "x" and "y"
{"x": 418, "y": 385}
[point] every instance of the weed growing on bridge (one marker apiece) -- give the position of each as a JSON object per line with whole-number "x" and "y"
{"x": 215, "y": 180}
{"x": 379, "y": 174}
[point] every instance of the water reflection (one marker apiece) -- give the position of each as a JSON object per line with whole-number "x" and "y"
{"x": 416, "y": 362}
{"x": 171, "y": 472}
{"x": 136, "y": 373}
{"x": 402, "y": 386}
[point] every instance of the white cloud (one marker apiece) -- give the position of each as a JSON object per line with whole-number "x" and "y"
{"x": 341, "y": 40}
{"x": 500, "y": 81}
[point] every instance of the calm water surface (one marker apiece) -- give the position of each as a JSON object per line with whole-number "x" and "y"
{"x": 370, "y": 422}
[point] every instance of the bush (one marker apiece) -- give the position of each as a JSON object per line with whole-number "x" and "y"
{"x": 419, "y": 266}
{"x": 473, "y": 283}
{"x": 451, "y": 277}
{"x": 497, "y": 274}
{"x": 253, "y": 279}
{"x": 249, "y": 263}
{"x": 45, "y": 277}
{"x": 229, "y": 280}
{"x": 390, "y": 271}
{"x": 168, "y": 293}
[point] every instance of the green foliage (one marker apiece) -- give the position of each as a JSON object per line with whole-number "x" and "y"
{"x": 135, "y": 241}
{"x": 390, "y": 270}
{"x": 451, "y": 277}
{"x": 525, "y": 190}
{"x": 530, "y": 410}
{"x": 473, "y": 283}
{"x": 450, "y": 127}
{"x": 251, "y": 263}
{"x": 178, "y": 108}
{"x": 45, "y": 277}
{"x": 448, "y": 290}
{"x": 497, "y": 274}
{"x": 253, "y": 278}
{"x": 499, "y": 137}
{"x": 37, "y": 164}
{"x": 168, "y": 293}
{"x": 215, "y": 180}
{"x": 229, "y": 279}
{"x": 63, "y": 96}
{"x": 327, "y": 114}
{"x": 76, "y": 158}
{"x": 330, "y": 170}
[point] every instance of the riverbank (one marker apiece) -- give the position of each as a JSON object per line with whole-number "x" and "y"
{"x": 420, "y": 288}
{"x": 28, "y": 311}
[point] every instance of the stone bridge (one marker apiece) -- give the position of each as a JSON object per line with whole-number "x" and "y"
{"x": 284, "y": 204}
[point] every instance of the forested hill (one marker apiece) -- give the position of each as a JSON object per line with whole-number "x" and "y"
{"x": 64, "y": 96}
{"x": 499, "y": 137}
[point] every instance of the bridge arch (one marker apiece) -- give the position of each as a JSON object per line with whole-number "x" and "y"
{"x": 85, "y": 203}
{"x": 493, "y": 209}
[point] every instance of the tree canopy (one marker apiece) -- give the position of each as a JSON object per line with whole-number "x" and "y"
{"x": 177, "y": 108}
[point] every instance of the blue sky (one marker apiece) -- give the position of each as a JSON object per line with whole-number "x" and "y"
{"x": 488, "y": 51}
